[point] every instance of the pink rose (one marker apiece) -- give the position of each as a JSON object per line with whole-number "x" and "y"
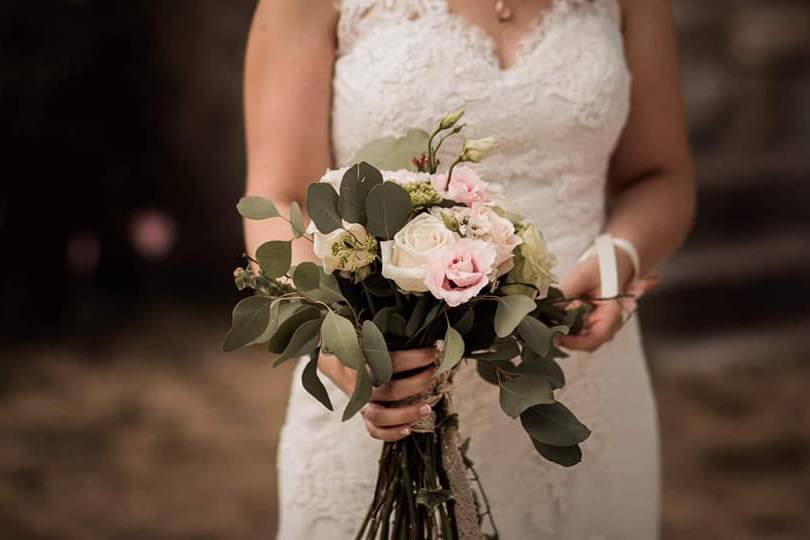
{"x": 460, "y": 270}
{"x": 466, "y": 187}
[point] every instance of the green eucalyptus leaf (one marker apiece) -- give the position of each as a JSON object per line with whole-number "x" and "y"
{"x": 340, "y": 338}
{"x": 465, "y": 323}
{"x": 538, "y": 336}
{"x": 253, "y": 207}
{"x": 304, "y": 340}
{"x": 523, "y": 392}
{"x": 394, "y": 153}
{"x": 506, "y": 349}
{"x": 282, "y": 337}
{"x": 322, "y": 206}
{"x": 376, "y": 351}
{"x": 545, "y": 366}
{"x": 312, "y": 383}
{"x": 418, "y": 315}
{"x": 510, "y": 312}
{"x": 567, "y": 456}
{"x": 274, "y": 258}
{"x": 361, "y": 394}
{"x": 354, "y": 189}
{"x": 453, "y": 350}
{"x": 397, "y": 325}
{"x": 387, "y": 209}
{"x": 554, "y": 425}
{"x": 311, "y": 281}
{"x": 431, "y": 317}
{"x": 250, "y": 319}
{"x": 297, "y": 220}
{"x": 382, "y": 318}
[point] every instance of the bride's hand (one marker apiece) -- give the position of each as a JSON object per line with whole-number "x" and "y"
{"x": 382, "y": 422}
{"x": 604, "y": 322}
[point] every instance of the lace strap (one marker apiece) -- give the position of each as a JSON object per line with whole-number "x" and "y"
{"x": 356, "y": 14}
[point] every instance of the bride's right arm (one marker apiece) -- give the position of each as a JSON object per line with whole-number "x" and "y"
{"x": 288, "y": 80}
{"x": 287, "y": 95}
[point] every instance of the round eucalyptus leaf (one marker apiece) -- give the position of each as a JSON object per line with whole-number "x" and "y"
{"x": 312, "y": 383}
{"x": 254, "y": 207}
{"x": 453, "y": 350}
{"x": 250, "y": 319}
{"x": 297, "y": 220}
{"x": 354, "y": 188}
{"x": 567, "y": 456}
{"x": 554, "y": 424}
{"x": 510, "y": 311}
{"x": 322, "y": 206}
{"x": 283, "y": 335}
{"x": 376, "y": 351}
{"x": 387, "y": 209}
{"x": 361, "y": 395}
{"x": 274, "y": 257}
{"x": 545, "y": 366}
{"x": 304, "y": 340}
{"x": 525, "y": 391}
{"x": 340, "y": 338}
{"x": 538, "y": 336}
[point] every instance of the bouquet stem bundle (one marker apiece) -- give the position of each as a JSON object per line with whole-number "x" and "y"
{"x": 424, "y": 490}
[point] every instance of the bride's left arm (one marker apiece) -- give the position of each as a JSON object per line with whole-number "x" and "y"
{"x": 651, "y": 186}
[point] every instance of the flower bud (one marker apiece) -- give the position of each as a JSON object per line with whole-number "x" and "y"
{"x": 450, "y": 119}
{"x": 477, "y": 149}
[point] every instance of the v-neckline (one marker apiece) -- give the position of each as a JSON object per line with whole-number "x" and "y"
{"x": 526, "y": 44}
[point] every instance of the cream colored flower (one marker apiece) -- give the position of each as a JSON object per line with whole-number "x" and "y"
{"x": 405, "y": 257}
{"x": 349, "y": 249}
{"x": 534, "y": 263}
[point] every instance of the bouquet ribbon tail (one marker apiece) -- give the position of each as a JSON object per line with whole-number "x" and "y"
{"x": 465, "y": 510}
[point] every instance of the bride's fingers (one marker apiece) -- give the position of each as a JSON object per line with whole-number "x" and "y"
{"x": 399, "y": 389}
{"x": 387, "y": 434}
{"x": 603, "y": 324}
{"x": 413, "y": 359}
{"x": 382, "y": 416}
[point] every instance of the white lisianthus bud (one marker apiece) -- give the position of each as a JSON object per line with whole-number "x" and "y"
{"x": 477, "y": 149}
{"x": 450, "y": 119}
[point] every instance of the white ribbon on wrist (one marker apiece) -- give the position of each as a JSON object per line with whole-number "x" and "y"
{"x": 604, "y": 247}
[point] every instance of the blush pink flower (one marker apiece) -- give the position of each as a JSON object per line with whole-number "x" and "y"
{"x": 460, "y": 270}
{"x": 466, "y": 187}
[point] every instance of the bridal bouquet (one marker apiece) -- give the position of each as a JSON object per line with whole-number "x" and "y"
{"x": 411, "y": 257}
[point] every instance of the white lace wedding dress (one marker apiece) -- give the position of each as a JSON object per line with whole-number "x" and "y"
{"x": 557, "y": 112}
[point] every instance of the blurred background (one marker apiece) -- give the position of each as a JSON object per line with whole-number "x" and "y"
{"x": 122, "y": 157}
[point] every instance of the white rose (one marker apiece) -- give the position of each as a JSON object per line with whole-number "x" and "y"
{"x": 404, "y": 258}
{"x": 355, "y": 248}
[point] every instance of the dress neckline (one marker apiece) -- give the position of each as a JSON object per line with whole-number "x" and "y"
{"x": 486, "y": 45}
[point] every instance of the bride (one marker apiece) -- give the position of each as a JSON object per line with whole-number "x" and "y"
{"x": 584, "y": 98}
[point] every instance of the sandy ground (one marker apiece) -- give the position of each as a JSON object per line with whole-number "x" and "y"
{"x": 156, "y": 435}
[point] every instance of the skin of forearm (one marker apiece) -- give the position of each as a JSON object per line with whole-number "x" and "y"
{"x": 655, "y": 214}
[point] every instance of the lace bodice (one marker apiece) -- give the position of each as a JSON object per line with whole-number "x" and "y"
{"x": 558, "y": 112}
